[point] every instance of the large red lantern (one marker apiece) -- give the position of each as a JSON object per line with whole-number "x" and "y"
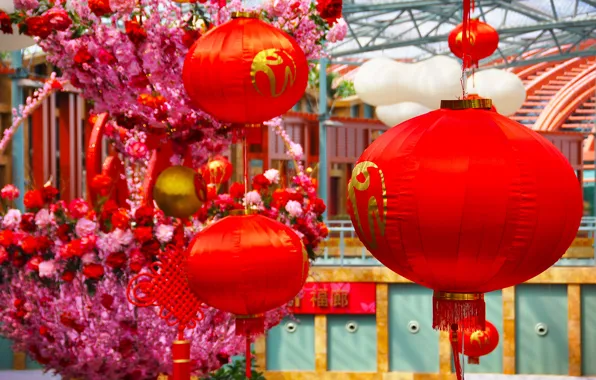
{"x": 478, "y": 343}
{"x": 245, "y": 71}
{"x": 483, "y": 41}
{"x": 464, "y": 201}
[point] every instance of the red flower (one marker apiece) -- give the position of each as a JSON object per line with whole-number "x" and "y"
{"x": 280, "y": 198}
{"x": 3, "y": 255}
{"x": 10, "y": 192}
{"x": 125, "y": 347}
{"x": 83, "y": 56}
{"x": 38, "y": 26}
{"x": 58, "y": 19}
{"x": 323, "y": 230}
{"x": 67, "y": 320}
{"x": 237, "y": 190}
{"x": 49, "y": 193}
{"x": 93, "y": 271}
{"x": 106, "y": 57}
{"x": 260, "y": 182}
{"x": 150, "y": 100}
{"x": 6, "y": 238}
{"x": 68, "y": 276}
{"x": 143, "y": 234}
{"x": 137, "y": 260}
{"x": 151, "y": 248}
{"x": 33, "y": 199}
{"x": 190, "y": 36}
{"x": 28, "y": 222}
{"x": 43, "y": 243}
{"x": 33, "y": 264}
{"x": 100, "y": 7}
{"x": 101, "y": 184}
{"x": 63, "y": 232}
{"x": 120, "y": 219}
{"x": 144, "y": 216}
{"x": 139, "y": 81}
{"x": 45, "y": 332}
{"x": 75, "y": 248}
{"x": 107, "y": 301}
{"x": 5, "y": 24}
{"x": 136, "y": 33}
{"x": 29, "y": 245}
{"x": 56, "y": 85}
{"x": 116, "y": 260}
{"x": 108, "y": 209}
{"x": 318, "y": 206}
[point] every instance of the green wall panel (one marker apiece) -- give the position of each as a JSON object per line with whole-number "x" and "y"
{"x": 493, "y": 362}
{"x": 292, "y": 349}
{"x": 352, "y": 343}
{"x": 588, "y": 298}
{"x": 411, "y": 305}
{"x": 536, "y": 352}
{"x": 5, "y": 354}
{"x": 32, "y": 364}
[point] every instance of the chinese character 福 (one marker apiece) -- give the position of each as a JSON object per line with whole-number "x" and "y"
{"x": 320, "y": 298}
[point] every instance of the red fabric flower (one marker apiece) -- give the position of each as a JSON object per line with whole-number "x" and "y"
{"x": 139, "y": 81}
{"x": 68, "y": 276}
{"x": 151, "y": 248}
{"x": 120, "y": 219}
{"x": 38, "y": 26}
{"x": 3, "y": 255}
{"x": 318, "y": 206}
{"x": 6, "y": 238}
{"x": 43, "y": 243}
{"x": 143, "y": 234}
{"x": 150, "y": 100}
{"x": 33, "y": 199}
{"x": 116, "y": 260}
{"x": 93, "y": 271}
{"x": 125, "y": 347}
{"x": 58, "y": 19}
{"x": 28, "y": 222}
{"x": 5, "y": 24}
{"x": 280, "y": 198}
{"x": 63, "y": 232}
{"x": 260, "y": 182}
{"x": 137, "y": 260}
{"x": 75, "y": 248}
{"x": 136, "y": 33}
{"x": 67, "y": 320}
{"x": 101, "y": 184}
{"x": 100, "y": 7}
{"x": 323, "y": 230}
{"x": 190, "y": 36}
{"x": 144, "y": 216}
{"x": 107, "y": 301}
{"x": 33, "y": 264}
{"x": 83, "y": 56}
{"x": 78, "y": 208}
{"x": 29, "y": 245}
{"x": 49, "y": 193}
{"x": 106, "y": 57}
{"x": 237, "y": 190}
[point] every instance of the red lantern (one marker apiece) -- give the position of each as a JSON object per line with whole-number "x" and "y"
{"x": 247, "y": 265}
{"x": 483, "y": 38}
{"x": 464, "y": 201}
{"x": 479, "y": 343}
{"x": 245, "y": 71}
{"x": 217, "y": 171}
{"x": 330, "y": 10}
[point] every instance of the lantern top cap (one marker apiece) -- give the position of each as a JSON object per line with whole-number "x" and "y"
{"x": 243, "y": 212}
{"x": 463, "y": 104}
{"x": 246, "y": 14}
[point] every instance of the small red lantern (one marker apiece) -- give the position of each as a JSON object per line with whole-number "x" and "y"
{"x": 245, "y": 71}
{"x": 483, "y": 38}
{"x": 217, "y": 171}
{"x": 464, "y": 201}
{"x": 479, "y": 343}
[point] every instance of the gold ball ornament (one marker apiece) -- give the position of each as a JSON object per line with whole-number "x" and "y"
{"x": 179, "y": 192}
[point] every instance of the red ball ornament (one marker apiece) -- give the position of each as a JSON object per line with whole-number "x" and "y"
{"x": 479, "y": 342}
{"x": 464, "y": 201}
{"x": 484, "y": 40}
{"x": 245, "y": 71}
{"x": 247, "y": 265}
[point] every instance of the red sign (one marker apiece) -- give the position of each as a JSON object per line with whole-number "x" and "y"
{"x": 336, "y": 298}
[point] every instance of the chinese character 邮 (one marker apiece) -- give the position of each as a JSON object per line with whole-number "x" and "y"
{"x": 340, "y": 298}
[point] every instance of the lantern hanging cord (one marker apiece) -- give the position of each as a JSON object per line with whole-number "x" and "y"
{"x": 454, "y": 348}
{"x": 468, "y": 7}
{"x": 248, "y": 358}
{"x": 245, "y": 169}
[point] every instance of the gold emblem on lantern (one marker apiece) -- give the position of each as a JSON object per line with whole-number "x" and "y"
{"x": 377, "y": 213}
{"x": 479, "y": 337}
{"x": 459, "y": 38}
{"x": 264, "y": 62}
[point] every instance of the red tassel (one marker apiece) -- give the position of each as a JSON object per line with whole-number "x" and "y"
{"x": 473, "y": 360}
{"x": 454, "y": 347}
{"x": 250, "y": 325}
{"x": 248, "y": 359}
{"x": 464, "y": 309}
{"x": 181, "y": 359}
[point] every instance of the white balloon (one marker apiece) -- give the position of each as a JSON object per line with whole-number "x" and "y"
{"x": 439, "y": 78}
{"x": 14, "y": 41}
{"x": 383, "y": 81}
{"x": 398, "y": 113}
{"x": 505, "y": 89}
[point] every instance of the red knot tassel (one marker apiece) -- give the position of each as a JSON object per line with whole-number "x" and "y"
{"x": 248, "y": 359}
{"x": 250, "y": 325}
{"x": 181, "y": 358}
{"x": 473, "y": 360}
{"x": 464, "y": 309}
{"x": 454, "y": 347}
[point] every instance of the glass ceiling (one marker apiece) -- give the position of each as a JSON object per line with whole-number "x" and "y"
{"x": 415, "y": 30}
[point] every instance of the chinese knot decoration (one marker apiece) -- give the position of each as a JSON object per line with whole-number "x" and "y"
{"x": 245, "y": 71}
{"x": 247, "y": 265}
{"x": 478, "y": 343}
{"x": 483, "y": 41}
{"x": 165, "y": 286}
{"x": 464, "y": 201}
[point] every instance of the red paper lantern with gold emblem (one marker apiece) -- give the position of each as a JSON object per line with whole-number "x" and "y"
{"x": 245, "y": 71}
{"x": 464, "y": 201}
{"x": 479, "y": 342}
{"x": 484, "y": 40}
{"x": 217, "y": 171}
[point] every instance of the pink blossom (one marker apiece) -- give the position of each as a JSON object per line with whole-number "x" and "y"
{"x": 294, "y": 208}
{"x": 137, "y": 150}
{"x": 252, "y": 198}
{"x": 296, "y": 151}
{"x": 44, "y": 218}
{"x": 272, "y": 175}
{"x": 47, "y": 268}
{"x": 89, "y": 258}
{"x": 164, "y": 233}
{"x": 26, "y": 4}
{"x": 122, "y": 6}
{"x": 85, "y": 227}
{"x": 9, "y": 192}
{"x": 338, "y": 31}
{"x": 12, "y": 219}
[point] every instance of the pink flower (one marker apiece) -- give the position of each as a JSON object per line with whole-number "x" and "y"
{"x": 164, "y": 233}
{"x": 122, "y": 6}
{"x": 296, "y": 151}
{"x": 272, "y": 175}
{"x": 9, "y": 192}
{"x": 26, "y": 4}
{"x": 85, "y": 227}
{"x": 137, "y": 150}
{"x": 78, "y": 208}
{"x": 47, "y": 268}
{"x": 44, "y": 218}
{"x": 252, "y": 198}
{"x": 338, "y": 31}
{"x": 294, "y": 208}
{"x": 12, "y": 219}
{"x": 89, "y": 258}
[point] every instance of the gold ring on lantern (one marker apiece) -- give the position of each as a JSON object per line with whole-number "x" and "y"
{"x": 250, "y": 316}
{"x": 246, "y": 14}
{"x": 464, "y": 104}
{"x": 447, "y": 296}
{"x": 181, "y": 361}
{"x": 181, "y": 342}
{"x": 243, "y": 212}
